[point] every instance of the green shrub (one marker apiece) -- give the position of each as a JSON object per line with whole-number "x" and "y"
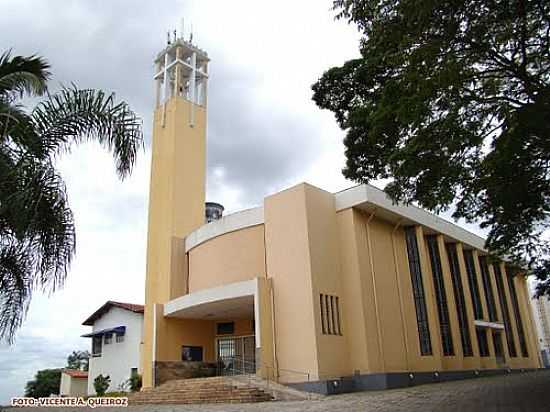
{"x": 135, "y": 382}
{"x": 101, "y": 384}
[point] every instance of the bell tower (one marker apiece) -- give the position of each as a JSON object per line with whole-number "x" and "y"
{"x": 177, "y": 189}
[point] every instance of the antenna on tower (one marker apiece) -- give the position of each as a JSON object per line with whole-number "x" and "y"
{"x": 182, "y": 28}
{"x": 168, "y": 42}
{"x": 191, "y": 34}
{"x": 175, "y": 35}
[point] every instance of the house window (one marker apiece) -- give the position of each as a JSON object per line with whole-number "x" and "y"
{"x": 458, "y": 290}
{"x": 96, "y": 345}
{"x": 225, "y": 328}
{"x": 329, "y": 306}
{"x": 108, "y": 338}
{"x": 418, "y": 292}
{"x": 441, "y": 298}
{"x": 191, "y": 353}
{"x": 472, "y": 281}
{"x": 119, "y": 337}
{"x": 489, "y": 296}
{"x": 517, "y": 315}
{"x": 505, "y": 313}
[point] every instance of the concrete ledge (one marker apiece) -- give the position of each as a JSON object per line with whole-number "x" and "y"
{"x": 382, "y": 381}
{"x": 229, "y": 223}
{"x": 370, "y": 197}
{"x": 170, "y": 370}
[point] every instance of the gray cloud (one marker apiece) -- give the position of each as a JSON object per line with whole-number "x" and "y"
{"x": 258, "y": 139}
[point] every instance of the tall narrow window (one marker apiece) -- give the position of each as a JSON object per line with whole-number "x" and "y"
{"x": 472, "y": 282}
{"x": 323, "y": 320}
{"x": 505, "y": 312}
{"x": 489, "y": 296}
{"x": 327, "y": 311}
{"x": 517, "y": 315}
{"x": 442, "y": 308}
{"x": 97, "y": 345}
{"x": 482, "y": 342}
{"x": 339, "y": 331}
{"x": 458, "y": 290}
{"x": 418, "y": 292}
{"x": 332, "y": 316}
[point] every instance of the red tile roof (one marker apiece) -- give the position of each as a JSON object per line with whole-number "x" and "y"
{"x": 75, "y": 373}
{"x": 132, "y": 307}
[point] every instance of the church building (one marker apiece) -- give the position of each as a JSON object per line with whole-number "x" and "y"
{"x": 326, "y": 292}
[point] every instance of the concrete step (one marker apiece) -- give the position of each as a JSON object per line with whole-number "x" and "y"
{"x": 200, "y": 390}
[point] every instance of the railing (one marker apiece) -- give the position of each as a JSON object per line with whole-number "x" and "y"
{"x": 244, "y": 371}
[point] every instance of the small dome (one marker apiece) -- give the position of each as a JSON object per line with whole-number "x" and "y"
{"x": 214, "y": 211}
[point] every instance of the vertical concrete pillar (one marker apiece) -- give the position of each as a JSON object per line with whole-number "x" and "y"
{"x": 266, "y": 362}
{"x": 355, "y": 308}
{"x": 289, "y": 268}
{"x": 525, "y": 310}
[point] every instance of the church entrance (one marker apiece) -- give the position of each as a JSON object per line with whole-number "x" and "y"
{"x": 236, "y": 355}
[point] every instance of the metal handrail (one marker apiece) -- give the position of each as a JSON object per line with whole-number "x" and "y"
{"x": 255, "y": 364}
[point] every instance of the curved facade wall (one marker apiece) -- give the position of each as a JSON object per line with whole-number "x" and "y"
{"x": 231, "y": 257}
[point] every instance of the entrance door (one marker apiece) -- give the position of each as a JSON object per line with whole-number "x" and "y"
{"x": 499, "y": 354}
{"x": 236, "y": 355}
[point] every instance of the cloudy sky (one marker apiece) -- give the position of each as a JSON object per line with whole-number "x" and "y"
{"x": 264, "y": 132}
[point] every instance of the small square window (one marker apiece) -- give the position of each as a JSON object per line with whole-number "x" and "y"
{"x": 108, "y": 338}
{"x": 119, "y": 337}
{"x": 225, "y": 328}
{"x": 191, "y": 353}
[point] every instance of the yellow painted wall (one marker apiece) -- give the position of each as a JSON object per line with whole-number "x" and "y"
{"x": 231, "y": 257}
{"x": 324, "y": 255}
{"x": 176, "y": 207}
{"x": 387, "y": 302}
{"x": 289, "y": 268}
{"x": 354, "y": 306}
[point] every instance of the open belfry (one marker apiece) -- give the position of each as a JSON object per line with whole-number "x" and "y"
{"x": 325, "y": 292}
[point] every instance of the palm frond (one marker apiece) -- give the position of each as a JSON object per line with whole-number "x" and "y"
{"x": 73, "y": 115}
{"x": 37, "y": 236}
{"x": 17, "y": 128}
{"x": 16, "y": 287}
{"x": 20, "y": 75}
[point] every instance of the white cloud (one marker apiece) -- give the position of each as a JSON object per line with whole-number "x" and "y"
{"x": 265, "y": 133}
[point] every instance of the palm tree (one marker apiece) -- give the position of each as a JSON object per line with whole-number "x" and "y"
{"x": 37, "y": 231}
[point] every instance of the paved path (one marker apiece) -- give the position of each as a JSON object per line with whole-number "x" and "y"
{"x": 529, "y": 392}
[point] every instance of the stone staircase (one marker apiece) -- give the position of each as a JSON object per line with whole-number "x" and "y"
{"x": 218, "y": 389}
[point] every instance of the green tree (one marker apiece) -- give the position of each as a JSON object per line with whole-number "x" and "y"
{"x": 37, "y": 232}
{"x": 46, "y": 382}
{"x": 450, "y": 100}
{"x": 78, "y": 360}
{"x": 101, "y": 384}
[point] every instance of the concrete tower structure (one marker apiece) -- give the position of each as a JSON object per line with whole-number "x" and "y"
{"x": 327, "y": 292}
{"x": 177, "y": 189}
